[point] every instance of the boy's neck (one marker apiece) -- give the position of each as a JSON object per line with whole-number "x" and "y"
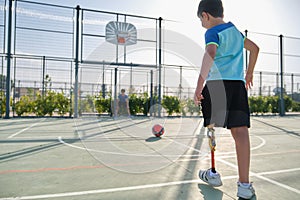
{"x": 216, "y": 21}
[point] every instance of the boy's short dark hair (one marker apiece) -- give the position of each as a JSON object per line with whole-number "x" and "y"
{"x": 213, "y": 7}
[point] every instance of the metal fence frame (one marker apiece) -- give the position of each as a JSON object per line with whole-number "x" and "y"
{"x": 12, "y": 40}
{"x": 154, "y": 73}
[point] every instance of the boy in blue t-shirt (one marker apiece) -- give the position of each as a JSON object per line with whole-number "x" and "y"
{"x": 123, "y": 104}
{"x": 223, "y": 97}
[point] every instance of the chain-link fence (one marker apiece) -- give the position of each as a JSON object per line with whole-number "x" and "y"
{"x": 65, "y": 50}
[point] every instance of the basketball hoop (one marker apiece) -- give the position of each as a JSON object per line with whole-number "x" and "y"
{"x": 120, "y": 33}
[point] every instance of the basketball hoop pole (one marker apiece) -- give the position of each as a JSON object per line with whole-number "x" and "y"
{"x": 115, "y": 93}
{"x": 117, "y": 44}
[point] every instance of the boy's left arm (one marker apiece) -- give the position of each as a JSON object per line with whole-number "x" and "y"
{"x": 254, "y": 50}
{"x": 207, "y": 62}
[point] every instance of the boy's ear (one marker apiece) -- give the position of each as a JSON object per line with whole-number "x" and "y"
{"x": 205, "y": 15}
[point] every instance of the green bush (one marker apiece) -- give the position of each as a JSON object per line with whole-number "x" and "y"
{"x": 62, "y": 104}
{"x": 103, "y": 105}
{"x": 141, "y": 104}
{"x": 273, "y": 104}
{"x": 44, "y": 105}
{"x": 146, "y": 101}
{"x": 171, "y": 104}
{"x": 48, "y": 104}
{"x": 296, "y": 106}
{"x": 191, "y": 107}
{"x": 2, "y": 103}
{"x": 51, "y": 103}
{"x": 24, "y": 105}
{"x": 252, "y": 104}
{"x": 288, "y": 103}
{"x": 87, "y": 104}
{"x": 136, "y": 104}
{"x": 268, "y": 104}
{"x": 259, "y": 104}
{"x": 39, "y": 106}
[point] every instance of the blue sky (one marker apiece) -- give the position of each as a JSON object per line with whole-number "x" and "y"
{"x": 268, "y": 16}
{"x": 273, "y": 17}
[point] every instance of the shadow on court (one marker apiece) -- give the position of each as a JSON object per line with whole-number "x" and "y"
{"x": 153, "y": 139}
{"x": 35, "y": 164}
{"x": 210, "y": 193}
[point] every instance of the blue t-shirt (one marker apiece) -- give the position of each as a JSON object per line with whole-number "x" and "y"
{"x": 122, "y": 98}
{"x": 228, "y": 62}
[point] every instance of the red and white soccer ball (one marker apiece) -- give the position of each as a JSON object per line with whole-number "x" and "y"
{"x": 158, "y": 130}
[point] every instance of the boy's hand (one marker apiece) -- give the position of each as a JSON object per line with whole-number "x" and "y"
{"x": 249, "y": 81}
{"x": 198, "y": 97}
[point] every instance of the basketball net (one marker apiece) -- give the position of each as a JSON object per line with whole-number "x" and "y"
{"x": 121, "y": 40}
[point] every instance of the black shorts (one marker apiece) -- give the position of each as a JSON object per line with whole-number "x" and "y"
{"x": 225, "y": 104}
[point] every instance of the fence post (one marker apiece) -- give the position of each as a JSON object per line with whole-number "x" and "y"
{"x": 180, "y": 83}
{"x": 260, "y": 83}
{"x": 43, "y": 81}
{"x": 159, "y": 64}
{"x": 103, "y": 82}
{"x": 292, "y": 87}
{"x": 151, "y": 92}
{"x": 115, "y": 93}
{"x": 9, "y": 33}
{"x": 76, "y": 62}
{"x": 131, "y": 86}
{"x": 282, "y": 108}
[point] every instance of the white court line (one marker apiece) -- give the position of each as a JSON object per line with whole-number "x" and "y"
{"x": 121, "y": 189}
{"x": 263, "y": 142}
{"x": 148, "y": 186}
{"x": 189, "y": 147}
{"x": 120, "y": 153}
{"x": 25, "y": 129}
{"x": 236, "y": 167}
{"x": 130, "y": 188}
{"x": 279, "y": 171}
{"x": 258, "y": 175}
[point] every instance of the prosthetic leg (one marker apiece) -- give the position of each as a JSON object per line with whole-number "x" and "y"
{"x": 211, "y": 176}
{"x": 212, "y": 145}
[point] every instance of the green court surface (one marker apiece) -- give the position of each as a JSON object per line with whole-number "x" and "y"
{"x": 104, "y": 158}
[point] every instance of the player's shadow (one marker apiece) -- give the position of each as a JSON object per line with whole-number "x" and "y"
{"x": 210, "y": 193}
{"x": 253, "y": 198}
{"x": 152, "y": 139}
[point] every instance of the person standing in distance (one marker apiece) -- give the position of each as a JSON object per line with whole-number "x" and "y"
{"x": 123, "y": 104}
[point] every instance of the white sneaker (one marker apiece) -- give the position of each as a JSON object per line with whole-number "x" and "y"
{"x": 245, "y": 192}
{"x": 213, "y": 179}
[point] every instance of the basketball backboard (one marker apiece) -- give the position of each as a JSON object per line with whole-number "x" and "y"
{"x": 120, "y": 33}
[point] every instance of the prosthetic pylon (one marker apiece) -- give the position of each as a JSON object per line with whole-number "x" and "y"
{"x": 212, "y": 145}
